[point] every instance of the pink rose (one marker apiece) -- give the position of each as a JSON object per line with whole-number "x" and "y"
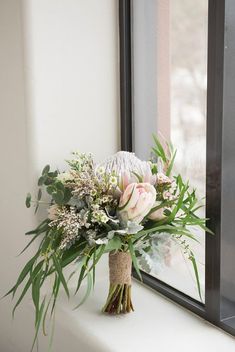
{"x": 136, "y": 201}
{"x": 157, "y": 214}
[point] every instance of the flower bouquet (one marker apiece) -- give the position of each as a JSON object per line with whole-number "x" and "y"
{"x": 116, "y": 207}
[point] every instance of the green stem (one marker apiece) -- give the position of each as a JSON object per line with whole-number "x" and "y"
{"x": 119, "y": 299}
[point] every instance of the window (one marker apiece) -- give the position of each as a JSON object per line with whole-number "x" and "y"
{"x": 169, "y": 84}
{"x": 178, "y": 77}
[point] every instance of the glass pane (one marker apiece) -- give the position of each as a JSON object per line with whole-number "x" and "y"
{"x": 169, "y": 98}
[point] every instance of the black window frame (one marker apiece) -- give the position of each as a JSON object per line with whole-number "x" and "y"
{"x": 217, "y": 26}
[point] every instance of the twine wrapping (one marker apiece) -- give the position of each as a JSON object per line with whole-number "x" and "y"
{"x": 120, "y": 268}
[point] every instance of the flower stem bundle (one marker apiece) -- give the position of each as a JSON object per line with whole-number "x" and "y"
{"x": 119, "y": 297}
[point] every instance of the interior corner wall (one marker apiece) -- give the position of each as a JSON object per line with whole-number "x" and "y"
{"x": 58, "y": 93}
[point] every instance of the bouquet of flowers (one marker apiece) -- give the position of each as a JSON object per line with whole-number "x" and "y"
{"x": 116, "y": 207}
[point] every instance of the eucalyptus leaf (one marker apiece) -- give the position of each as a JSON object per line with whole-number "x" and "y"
{"x": 28, "y": 200}
{"x": 114, "y": 244}
{"x": 46, "y": 170}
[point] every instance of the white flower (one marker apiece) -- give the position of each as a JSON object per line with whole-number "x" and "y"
{"x": 99, "y": 216}
{"x": 113, "y": 180}
{"x": 65, "y": 176}
{"x": 104, "y": 218}
{"x": 100, "y": 170}
{"x": 53, "y": 212}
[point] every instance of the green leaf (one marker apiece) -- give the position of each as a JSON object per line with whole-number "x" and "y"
{"x": 160, "y": 150}
{"x": 28, "y": 284}
{"x": 36, "y": 209}
{"x": 51, "y": 189}
{"x": 88, "y": 290}
{"x": 169, "y": 169}
{"x": 96, "y": 258}
{"x": 134, "y": 259}
{"x": 41, "y": 180}
{"x": 72, "y": 253}
{"x": 67, "y": 195}
{"x": 93, "y": 267}
{"x": 114, "y": 244}
{"x": 36, "y": 284}
{"x": 40, "y": 314}
{"x": 44, "y": 317}
{"x": 53, "y": 174}
{"x": 28, "y": 266}
{"x": 46, "y": 170}
{"x": 162, "y": 205}
{"x": 32, "y": 240}
{"x": 28, "y": 200}
{"x": 139, "y": 178}
{"x": 56, "y": 287}
{"x": 39, "y": 193}
{"x": 84, "y": 267}
{"x": 194, "y": 263}
{"x": 40, "y": 229}
{"x": 60, "y": 274}
{"x": 59, "y": 185}
{"x": 58, "y": 197}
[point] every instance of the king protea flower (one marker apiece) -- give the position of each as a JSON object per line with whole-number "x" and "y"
{"x": 129, "y": 169}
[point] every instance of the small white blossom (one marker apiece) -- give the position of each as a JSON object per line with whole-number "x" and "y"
{"x": 100, "y": 170}
{"x": 113, "y": 180}
{"x": 65, "y": 176}
{"x": 53, "y": 212}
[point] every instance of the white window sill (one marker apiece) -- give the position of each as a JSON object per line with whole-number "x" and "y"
{"x": 157, "y": 324}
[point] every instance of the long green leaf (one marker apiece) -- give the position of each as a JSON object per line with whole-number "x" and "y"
{"x": 88, "y": 290}
{"x": 28, "y": 284}
{"x": 30, "y": 242}
{"x": 36, "y": 285}
{"x": 44, "y": 317}
{"x": 133, "y": 257}
{"x": 60, "y": 274}
{"x": 96, "y": 259}
{"x": 40, "y": 314}
{"x": 84, "y": 267}
{"x": 169, "y": 169}
{"x": 28, "y": 266}
{"x": 40, "y": 229}
{"x": 55, "y": 292}
{"x": 194, "y": 263}
{"x": 160, "y": 151}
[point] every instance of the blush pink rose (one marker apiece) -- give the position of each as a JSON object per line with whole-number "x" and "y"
{"x": 136, "y": 201}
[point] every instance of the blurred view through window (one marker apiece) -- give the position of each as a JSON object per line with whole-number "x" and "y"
{"x": 169, "y": 97}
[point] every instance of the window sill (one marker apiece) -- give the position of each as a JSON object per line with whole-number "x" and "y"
{"x": 156, "y": 323}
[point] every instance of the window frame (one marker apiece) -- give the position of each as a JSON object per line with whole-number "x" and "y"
{"x": 217, "y": 26}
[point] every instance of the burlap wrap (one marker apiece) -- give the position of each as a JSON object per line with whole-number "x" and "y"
{"x": 120, "y": 268}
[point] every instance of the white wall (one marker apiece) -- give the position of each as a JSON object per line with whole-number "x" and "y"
{"x": 58, "y": 93}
